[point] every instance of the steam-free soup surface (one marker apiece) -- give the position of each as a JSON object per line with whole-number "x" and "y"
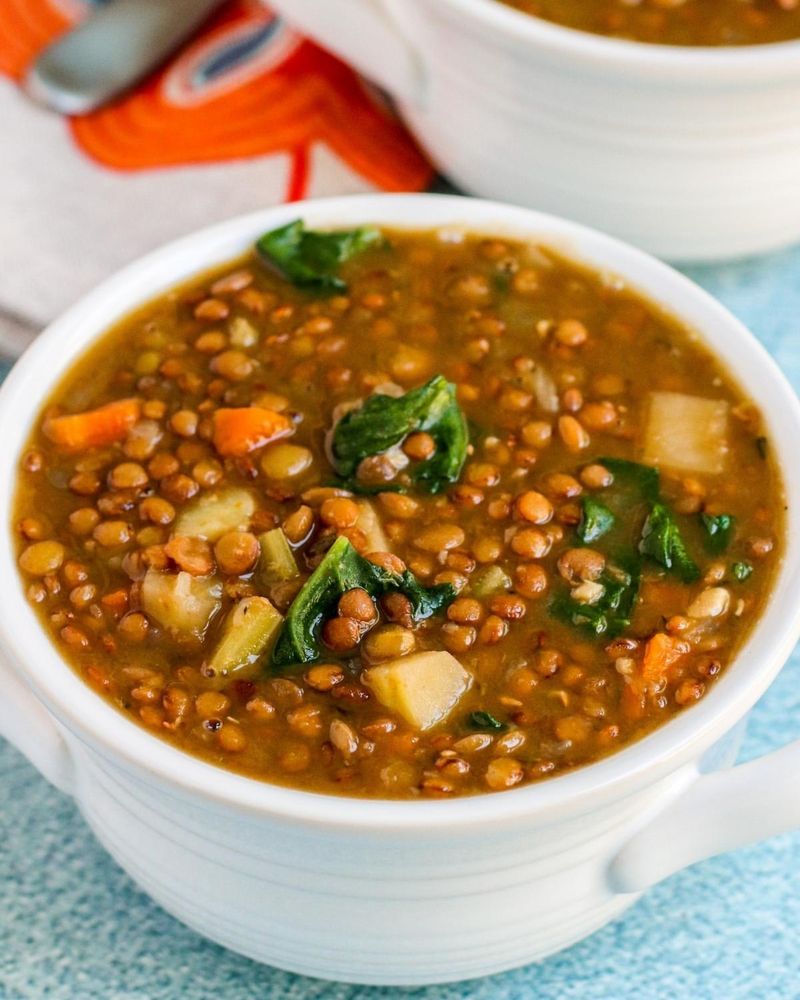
{"x": 398, "y": 514}
{"x": 675, "y": 22}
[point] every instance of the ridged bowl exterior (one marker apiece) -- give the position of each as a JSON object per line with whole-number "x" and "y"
{"x": 369, "y": 906}
{"x": 686, "y": 167}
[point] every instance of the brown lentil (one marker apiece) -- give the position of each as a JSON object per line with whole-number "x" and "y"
{"x": 341, "y": 634}
{"x": 534, "y": 507}
{"x": 357, "y": 604}
{"x": 42, "y": 558}
{"x": 237, "y": 552}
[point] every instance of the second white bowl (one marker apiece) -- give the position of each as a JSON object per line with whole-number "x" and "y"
{"x": 690, "y": 153}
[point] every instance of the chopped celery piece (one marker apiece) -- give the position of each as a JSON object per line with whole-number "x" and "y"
{"x": 277, "y": 562}
{"x": 490, "y": 581}
{"x": 248, "y": 634}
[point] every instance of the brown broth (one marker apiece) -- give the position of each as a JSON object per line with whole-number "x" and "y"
{"x": 663, "y": 22}
{"x": 504, "y": 321}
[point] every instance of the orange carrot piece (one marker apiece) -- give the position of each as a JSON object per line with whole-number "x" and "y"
{"x": 116, "y": 602}
{"x": 243, "y": 429}
{"x": 633, "y": 699}
{"x": 95, "y": 428}
{"x": 660, "y": 653}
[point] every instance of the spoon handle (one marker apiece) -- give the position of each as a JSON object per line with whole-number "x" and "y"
{"x": 111, "y": 50}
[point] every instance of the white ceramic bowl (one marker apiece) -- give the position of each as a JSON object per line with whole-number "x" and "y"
{"x": 401, "y": 892}
{"x": 690, "y": 153}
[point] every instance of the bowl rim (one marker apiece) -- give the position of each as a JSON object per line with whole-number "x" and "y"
{"x": 734, "y": 63}
{"x": 146, "y": 757}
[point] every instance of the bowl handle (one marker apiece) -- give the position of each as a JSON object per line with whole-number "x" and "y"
{"x": 717, "y": 812}
{"x": 28, "y": 726}
{"x": 365, "y": 34}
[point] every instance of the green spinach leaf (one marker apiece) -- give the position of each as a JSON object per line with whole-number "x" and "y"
{"x": 612, "y": 613}
{"x": 719, "y": 530}
{"x": 741, "y": 570}
{"x": 485, "y": 720}
{"x": 384, "y": 421}
{"x": 310, "y": 259}
{"x": 645, "y": 478}
{"x": 340, "y": 570}
{"x": 661, "y": 540}
{"x": 596, "y": 520}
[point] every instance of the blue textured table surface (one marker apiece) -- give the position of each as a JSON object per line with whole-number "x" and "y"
{"x": 73, "y": 926}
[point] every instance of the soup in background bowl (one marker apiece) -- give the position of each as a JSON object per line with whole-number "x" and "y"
{"x": 431, "y": 886}
{"x": 675, "y": 22}
{"x": 399, "y": 513}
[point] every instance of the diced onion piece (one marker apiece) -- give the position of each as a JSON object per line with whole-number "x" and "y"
{"x": 422, "y": 688}
{"x": 688, "y": 433}
{"x": 544, "y": 389}
{"x": 181, "y": 603}
{"x": 370, "y": 523}
{"x": 212, "y": 515}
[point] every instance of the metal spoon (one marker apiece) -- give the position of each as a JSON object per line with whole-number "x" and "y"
{"x": 111, "y": 50}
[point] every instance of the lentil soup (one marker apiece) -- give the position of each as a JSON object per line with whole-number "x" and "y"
{"x": 398, "y": 514}
{"x": 675, "y": 22}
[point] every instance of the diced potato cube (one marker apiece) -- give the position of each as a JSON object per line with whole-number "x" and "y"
{"x": 423, "y": 688}
{"x": 687, "y": 433}
{"x": 212, "y": 515}
{"x": 181, "y": 603}
{"x": 370, "y": 523}
{"x": 250, "y": 631}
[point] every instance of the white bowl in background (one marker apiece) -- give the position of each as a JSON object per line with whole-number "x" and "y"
{"x": 690, "y": 153}
{"x": 398, "y": 892}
